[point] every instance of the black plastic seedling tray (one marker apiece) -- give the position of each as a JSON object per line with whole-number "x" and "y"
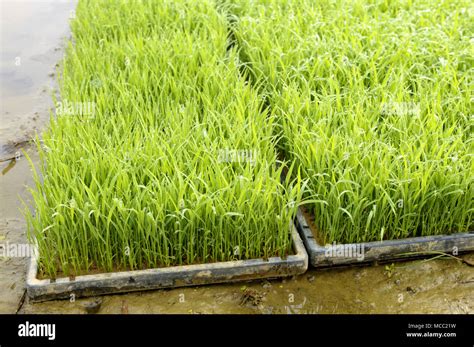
{"x": 380, "y": 251}
{"x": 169, "y": 277}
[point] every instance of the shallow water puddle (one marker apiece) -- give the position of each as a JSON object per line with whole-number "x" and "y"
{"x": 32, "y": 34}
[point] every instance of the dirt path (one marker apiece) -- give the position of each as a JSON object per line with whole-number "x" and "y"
{"x": 35, "y": 32}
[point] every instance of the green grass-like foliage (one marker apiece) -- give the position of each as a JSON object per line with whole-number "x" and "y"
{"x": 374, "y": 103}
{"x": 140, "y": 184}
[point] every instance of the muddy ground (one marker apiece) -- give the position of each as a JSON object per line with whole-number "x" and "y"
{"x": 35, "y": 33}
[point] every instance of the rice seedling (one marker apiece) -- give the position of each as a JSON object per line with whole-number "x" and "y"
{"x": 141, "y": 181}
{"x": 373, "y": 101}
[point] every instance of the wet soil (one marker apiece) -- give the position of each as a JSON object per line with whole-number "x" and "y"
{"x": 434, "y": 286}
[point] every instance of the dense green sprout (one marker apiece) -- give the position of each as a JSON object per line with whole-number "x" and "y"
{"x": 374, "y": 103}
{"x": 175, "y": 163}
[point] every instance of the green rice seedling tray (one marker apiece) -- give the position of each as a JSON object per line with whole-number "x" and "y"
{"x": 167, "y": 277}
{"x": 321, "y": 256}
